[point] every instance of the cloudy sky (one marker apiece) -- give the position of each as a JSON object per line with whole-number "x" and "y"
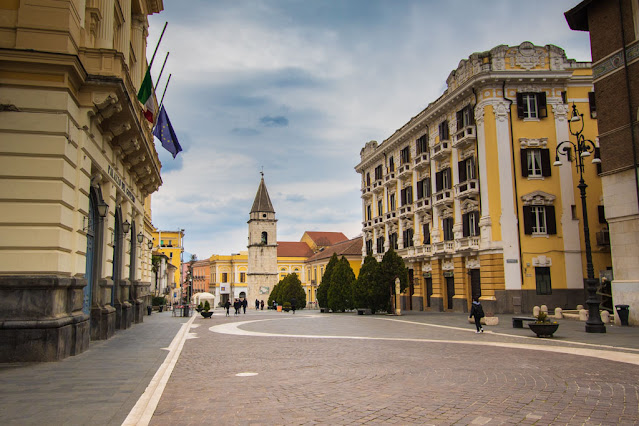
{"x": 297, "y": 87}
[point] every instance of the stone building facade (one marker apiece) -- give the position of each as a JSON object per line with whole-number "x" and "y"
{"x": 614, "y": 40}
{"x": 78, "y": 163}
{"x": 466, "y": 193}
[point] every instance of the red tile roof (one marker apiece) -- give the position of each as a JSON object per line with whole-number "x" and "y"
{"x": 293, "y": 249}
{"x": 345, "y": 248}
{"x": 325, "y": 239}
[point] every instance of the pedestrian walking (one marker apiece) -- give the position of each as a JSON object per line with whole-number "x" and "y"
{"x": 257, "y": 305}
{"x": 477, "y": 311}
{"x": 293, "y": 304}
{"x": 262, "y": 304}
{"x": 244, "y": 305}
{"x": 236, "y": 305}
{"x": 227, "y": 305}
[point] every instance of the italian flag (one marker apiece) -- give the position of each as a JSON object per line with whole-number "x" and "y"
{"x": 145, "y": 96}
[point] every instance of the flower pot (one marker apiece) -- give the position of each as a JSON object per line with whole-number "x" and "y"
{"x": 543, "y": 329}
{"x": 206, "y": 314}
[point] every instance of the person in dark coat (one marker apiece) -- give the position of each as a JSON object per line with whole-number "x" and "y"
{"x": 236, "y": 305}
{"x": 227, "y": 305}
{"x": 477, "y": 311}
{"x": 293, "y": 304}
{"x": 261, "y": 305}
{"x": 257, "y": 305}
{"x": 244, "y": 304}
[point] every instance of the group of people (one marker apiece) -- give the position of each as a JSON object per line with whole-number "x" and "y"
{"x": 242, "y": 304}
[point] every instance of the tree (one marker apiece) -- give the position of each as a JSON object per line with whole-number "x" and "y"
{"x": 322, "y": 290}
{"x": 340, "y": 293}
{"x": 392, "y": 267}
{"x": 155, "y": 262}
{"x": 289, "y": 287}
{"x": 367, "y": 293}
{"x": 274, "y": 294}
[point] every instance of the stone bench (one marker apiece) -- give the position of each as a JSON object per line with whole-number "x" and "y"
{"x": 518, "y": 322}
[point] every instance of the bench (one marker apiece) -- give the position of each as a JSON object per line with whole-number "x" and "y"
{"x": 518, "y": 322}
{"x": 363, "y": 311}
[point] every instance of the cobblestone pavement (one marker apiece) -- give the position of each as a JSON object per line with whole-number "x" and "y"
{"x": 263, "y": 368}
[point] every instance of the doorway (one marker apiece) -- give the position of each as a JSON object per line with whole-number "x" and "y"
{"x": 429, "y": 290}
{"x": 475, "y": 284}
{"x": 450, "y": 291}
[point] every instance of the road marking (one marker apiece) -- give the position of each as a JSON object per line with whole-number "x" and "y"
{"x": 141, "y": 413}
{"x": 233, "y": 328}
{"x": 246, "y": 374}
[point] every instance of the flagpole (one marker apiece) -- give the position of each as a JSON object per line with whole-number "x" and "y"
{"x": 162, "y": 69}
{"x": 158, "y": 45}
{"x": 163, "y": 93}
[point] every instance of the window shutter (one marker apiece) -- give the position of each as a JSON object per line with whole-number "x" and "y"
{"x": 541, "y": 104}
{"x": 528, "y": 219}
{"x": 426, "y": 233}
{"x": 471, "y": 114}
{"x": 520, "y": 105}
{"x": 465, "y": 225}
{"x": 420, "y": 189}
{"x": 439, "y": 181}
{"x": 476, "y": 214}
{"x": 462, "y": 171}
{"x": 450, "y": 178}
{"x": 545, "y": 162}
{"x": 409, "y": 195}
{"x": 460, "y": 119}
{"x": 551, "y": 224}
{"x": 524, "y": 162}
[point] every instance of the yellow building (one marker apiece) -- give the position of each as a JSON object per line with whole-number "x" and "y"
{"x": 171, "y": 244}
{"x": 78, "y": 163}
{"x": 467, "y": 194}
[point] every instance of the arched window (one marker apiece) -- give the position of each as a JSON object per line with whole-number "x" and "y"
{"x": 264, "y": 237}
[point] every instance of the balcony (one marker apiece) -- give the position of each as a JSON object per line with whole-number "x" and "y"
{"x": 422, "y": 250}
{"x": 467, "y": 243}
{"x": 443, "y": 197}
{"x": 443, "y": 247}
{"x": 422, "y": 161}
{"x": 367, "y": 224}
{"x": 391, "y": 215}
{"x": 440, "y": 151}
{"x": 464, "y": 137}
{"x": 467, "y": 189}
{"x": 390, "y": 179}
{"x": 378, "y": 186}
{"x": 366, "y": 192}
{"x": 422, "y": 204}
{"x": 378, "y": 220}
{"x": 404, "y": 171}
{"x": 405, "y": 211}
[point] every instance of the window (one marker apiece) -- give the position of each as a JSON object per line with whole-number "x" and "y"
{"x": 264, "y": 238}
{"x": 242, "y": 277}
{"x": 593, "y": 105}
{"x": 369, "y": 212}
{"x": 405, "y": 155}
{"x": 443, "y": 180}
{"x": 380, "y": 244}
{"x": 391, "y": 165}
{"x": 539, "y": 220}
{"x": 447, "y": 225}
{"x": 470, "y": 224}
{"x": 369, "y": 247}
{"x": 602, "y": 214}
{"x": 466, "y": 169}
{"x": 423, "y": 188}
{"x": 443, "y": 131}
{"x": 531, "y": 105}
{"x": 426, "y": 233}
{"x": 378, "y": 172}
{"x": 392, "y": 202}
{"x": 408, "y": 237}
{"x": 421, "y": 145}
{"x": 535, "y": 162}
{"x": 407, "y": 195}
{"x": 380, "y": 208}
{"x": 542, "y": 280}
{"x": 465, "y": 117}
{"x": 225, "y": 277}
{"x": 368, "y": 179}
{"x": 392, "y": 239}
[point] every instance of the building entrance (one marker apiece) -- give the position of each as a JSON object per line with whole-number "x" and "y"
{"x": 450, "y": 291}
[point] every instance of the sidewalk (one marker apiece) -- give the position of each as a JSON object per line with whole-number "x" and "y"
{"x": 99, "y": 386}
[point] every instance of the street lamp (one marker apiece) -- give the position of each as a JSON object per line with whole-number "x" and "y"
{"x": 583, "y": 148}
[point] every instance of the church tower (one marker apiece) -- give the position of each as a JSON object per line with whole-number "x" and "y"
{"x": 262, "y": 247}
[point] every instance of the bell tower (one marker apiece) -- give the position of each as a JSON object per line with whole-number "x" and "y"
{"x": 262, "y": 247}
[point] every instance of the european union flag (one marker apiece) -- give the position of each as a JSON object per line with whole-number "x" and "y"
{"x": 165, "y": 133}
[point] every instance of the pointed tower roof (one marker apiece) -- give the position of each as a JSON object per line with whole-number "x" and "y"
{"x": 262, "y": 201}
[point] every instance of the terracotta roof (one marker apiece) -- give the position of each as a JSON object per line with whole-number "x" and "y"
{"x": 325, "y": 239}
{"x": 345, "y": 248}
{"x": 293, "y": 249}
{"x": 262, "y": 202}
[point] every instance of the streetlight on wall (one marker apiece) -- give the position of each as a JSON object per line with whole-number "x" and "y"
{"x": 583, "y": 148}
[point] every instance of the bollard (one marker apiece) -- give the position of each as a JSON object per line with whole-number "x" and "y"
{"x": 605, "y": 317}
{"x": 583, "y": 315}
{"x": 536, "y": 310}
{"x": 559, "y": 313}
{"x": 544, "y": 308}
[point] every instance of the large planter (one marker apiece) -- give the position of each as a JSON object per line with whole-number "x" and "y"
{"x": 206, "y": 314}
{"x": 543, "y": 330}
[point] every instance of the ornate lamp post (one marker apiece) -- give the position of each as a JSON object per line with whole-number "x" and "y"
{"x": 582, "y": 149}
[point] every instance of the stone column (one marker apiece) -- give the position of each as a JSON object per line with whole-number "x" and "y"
{"x": 125, "y": 31}
{"x": 482, "y": 165}
{"x": 457, "y": 227}
{"x": 104, "y": 33}
{"x": 138, "y": 41}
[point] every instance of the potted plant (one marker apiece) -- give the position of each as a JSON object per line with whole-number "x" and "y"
{"x": 286, "y": 306}
{"x": 543, "y": 327}
{"x": 206, "y": 310}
